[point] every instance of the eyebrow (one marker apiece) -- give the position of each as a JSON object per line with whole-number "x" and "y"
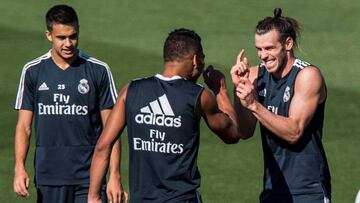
{"x": 72, "y": 35}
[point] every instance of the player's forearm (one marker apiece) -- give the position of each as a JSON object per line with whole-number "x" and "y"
{"x": 225, "y": 105}
{"x": 247, "y": 121}
{"x": 115, "y": 160}
{"x": 22, "y": 142}
{"x": 98, "y": 170}
{"x": 283, "y": 127}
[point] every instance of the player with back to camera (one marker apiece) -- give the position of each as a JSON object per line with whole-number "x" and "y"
{"x": 287, "y": 96}
{"x": 162, "y": 115}
{"x": 69, "y": 95}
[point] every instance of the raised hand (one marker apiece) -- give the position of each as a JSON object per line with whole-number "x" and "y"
{"x": 245, "y": 92}
{"x": 214, "y": 79}
{"x": 240, "y": 69}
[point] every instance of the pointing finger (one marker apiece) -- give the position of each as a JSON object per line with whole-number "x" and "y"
{"x": 241, "y": 54}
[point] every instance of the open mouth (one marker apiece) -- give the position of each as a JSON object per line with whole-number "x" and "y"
{"x": 269, "y": 63}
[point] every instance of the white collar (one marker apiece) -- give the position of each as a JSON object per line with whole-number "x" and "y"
{"x": 161, "y": 77}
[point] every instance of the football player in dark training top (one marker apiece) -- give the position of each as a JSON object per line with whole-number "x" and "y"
{"x": 69, "y": 95}
{"x": 162, "y": 115}
{"x": 287, "y": 96}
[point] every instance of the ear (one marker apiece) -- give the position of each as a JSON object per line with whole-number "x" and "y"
{"x": 194, "y": 61}
{"x": 48, "y": 35}
{"x": 289, "y": 43}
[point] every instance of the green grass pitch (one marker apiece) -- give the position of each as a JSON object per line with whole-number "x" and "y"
{"x": 129, "y": 36}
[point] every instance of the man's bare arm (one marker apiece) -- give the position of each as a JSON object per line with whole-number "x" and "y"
{"x": 307, "y": 96}
{"x": 247, "y": 121}
{"x": 113, "y": 128}
{"x": 22, "y": 142}
{"x": 218, "y": 110}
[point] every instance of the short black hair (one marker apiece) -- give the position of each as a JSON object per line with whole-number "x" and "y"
{"x": 286, "y": 26}
{"x": 181, "y": 43}
{"x": 62, "y": 14}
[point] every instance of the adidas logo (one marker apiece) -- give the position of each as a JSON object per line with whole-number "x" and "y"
{"x": 43, "y": 87}
{"x": 158, "y": 112}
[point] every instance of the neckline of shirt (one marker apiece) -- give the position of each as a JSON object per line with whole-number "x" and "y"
{"x": 161, "y": 77}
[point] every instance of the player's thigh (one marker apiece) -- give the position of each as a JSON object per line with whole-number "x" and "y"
{"x": 311, "y": 198}
{"x": 303, "y": 198}
{"x": 54, "y": 194}
{"x": 268, "y": 197}
{"x": 81, "y": 193}
{"x": 195, "y": 199}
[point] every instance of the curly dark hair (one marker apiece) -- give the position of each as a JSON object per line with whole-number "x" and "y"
{"x": 181, "y": 44}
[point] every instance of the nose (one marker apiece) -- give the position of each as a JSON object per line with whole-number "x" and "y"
{"x": 68, "y": 42}
{"x": 262, "y": 54}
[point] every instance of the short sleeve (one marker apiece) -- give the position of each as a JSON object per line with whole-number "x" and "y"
{"x": 26, "y": 92}
{"x": 107, "y": 90}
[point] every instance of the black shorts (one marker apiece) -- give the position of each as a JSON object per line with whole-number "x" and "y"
{"x": 66, "y": 193}
{"x": 196, "y": 198}
{"x": 268, "y": 197}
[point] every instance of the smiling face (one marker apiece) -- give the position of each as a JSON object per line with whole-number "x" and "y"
{"x": 64, "y": 40}
{"x": 271, "y": 52}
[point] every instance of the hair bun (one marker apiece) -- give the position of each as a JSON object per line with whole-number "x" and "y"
{"x": 277, "y": 12}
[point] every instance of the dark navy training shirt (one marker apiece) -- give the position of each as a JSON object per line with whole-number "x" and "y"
{"x": 292, "y": 169}
{"x": 163, "y": 134}
{"x": 66, "y": 105}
